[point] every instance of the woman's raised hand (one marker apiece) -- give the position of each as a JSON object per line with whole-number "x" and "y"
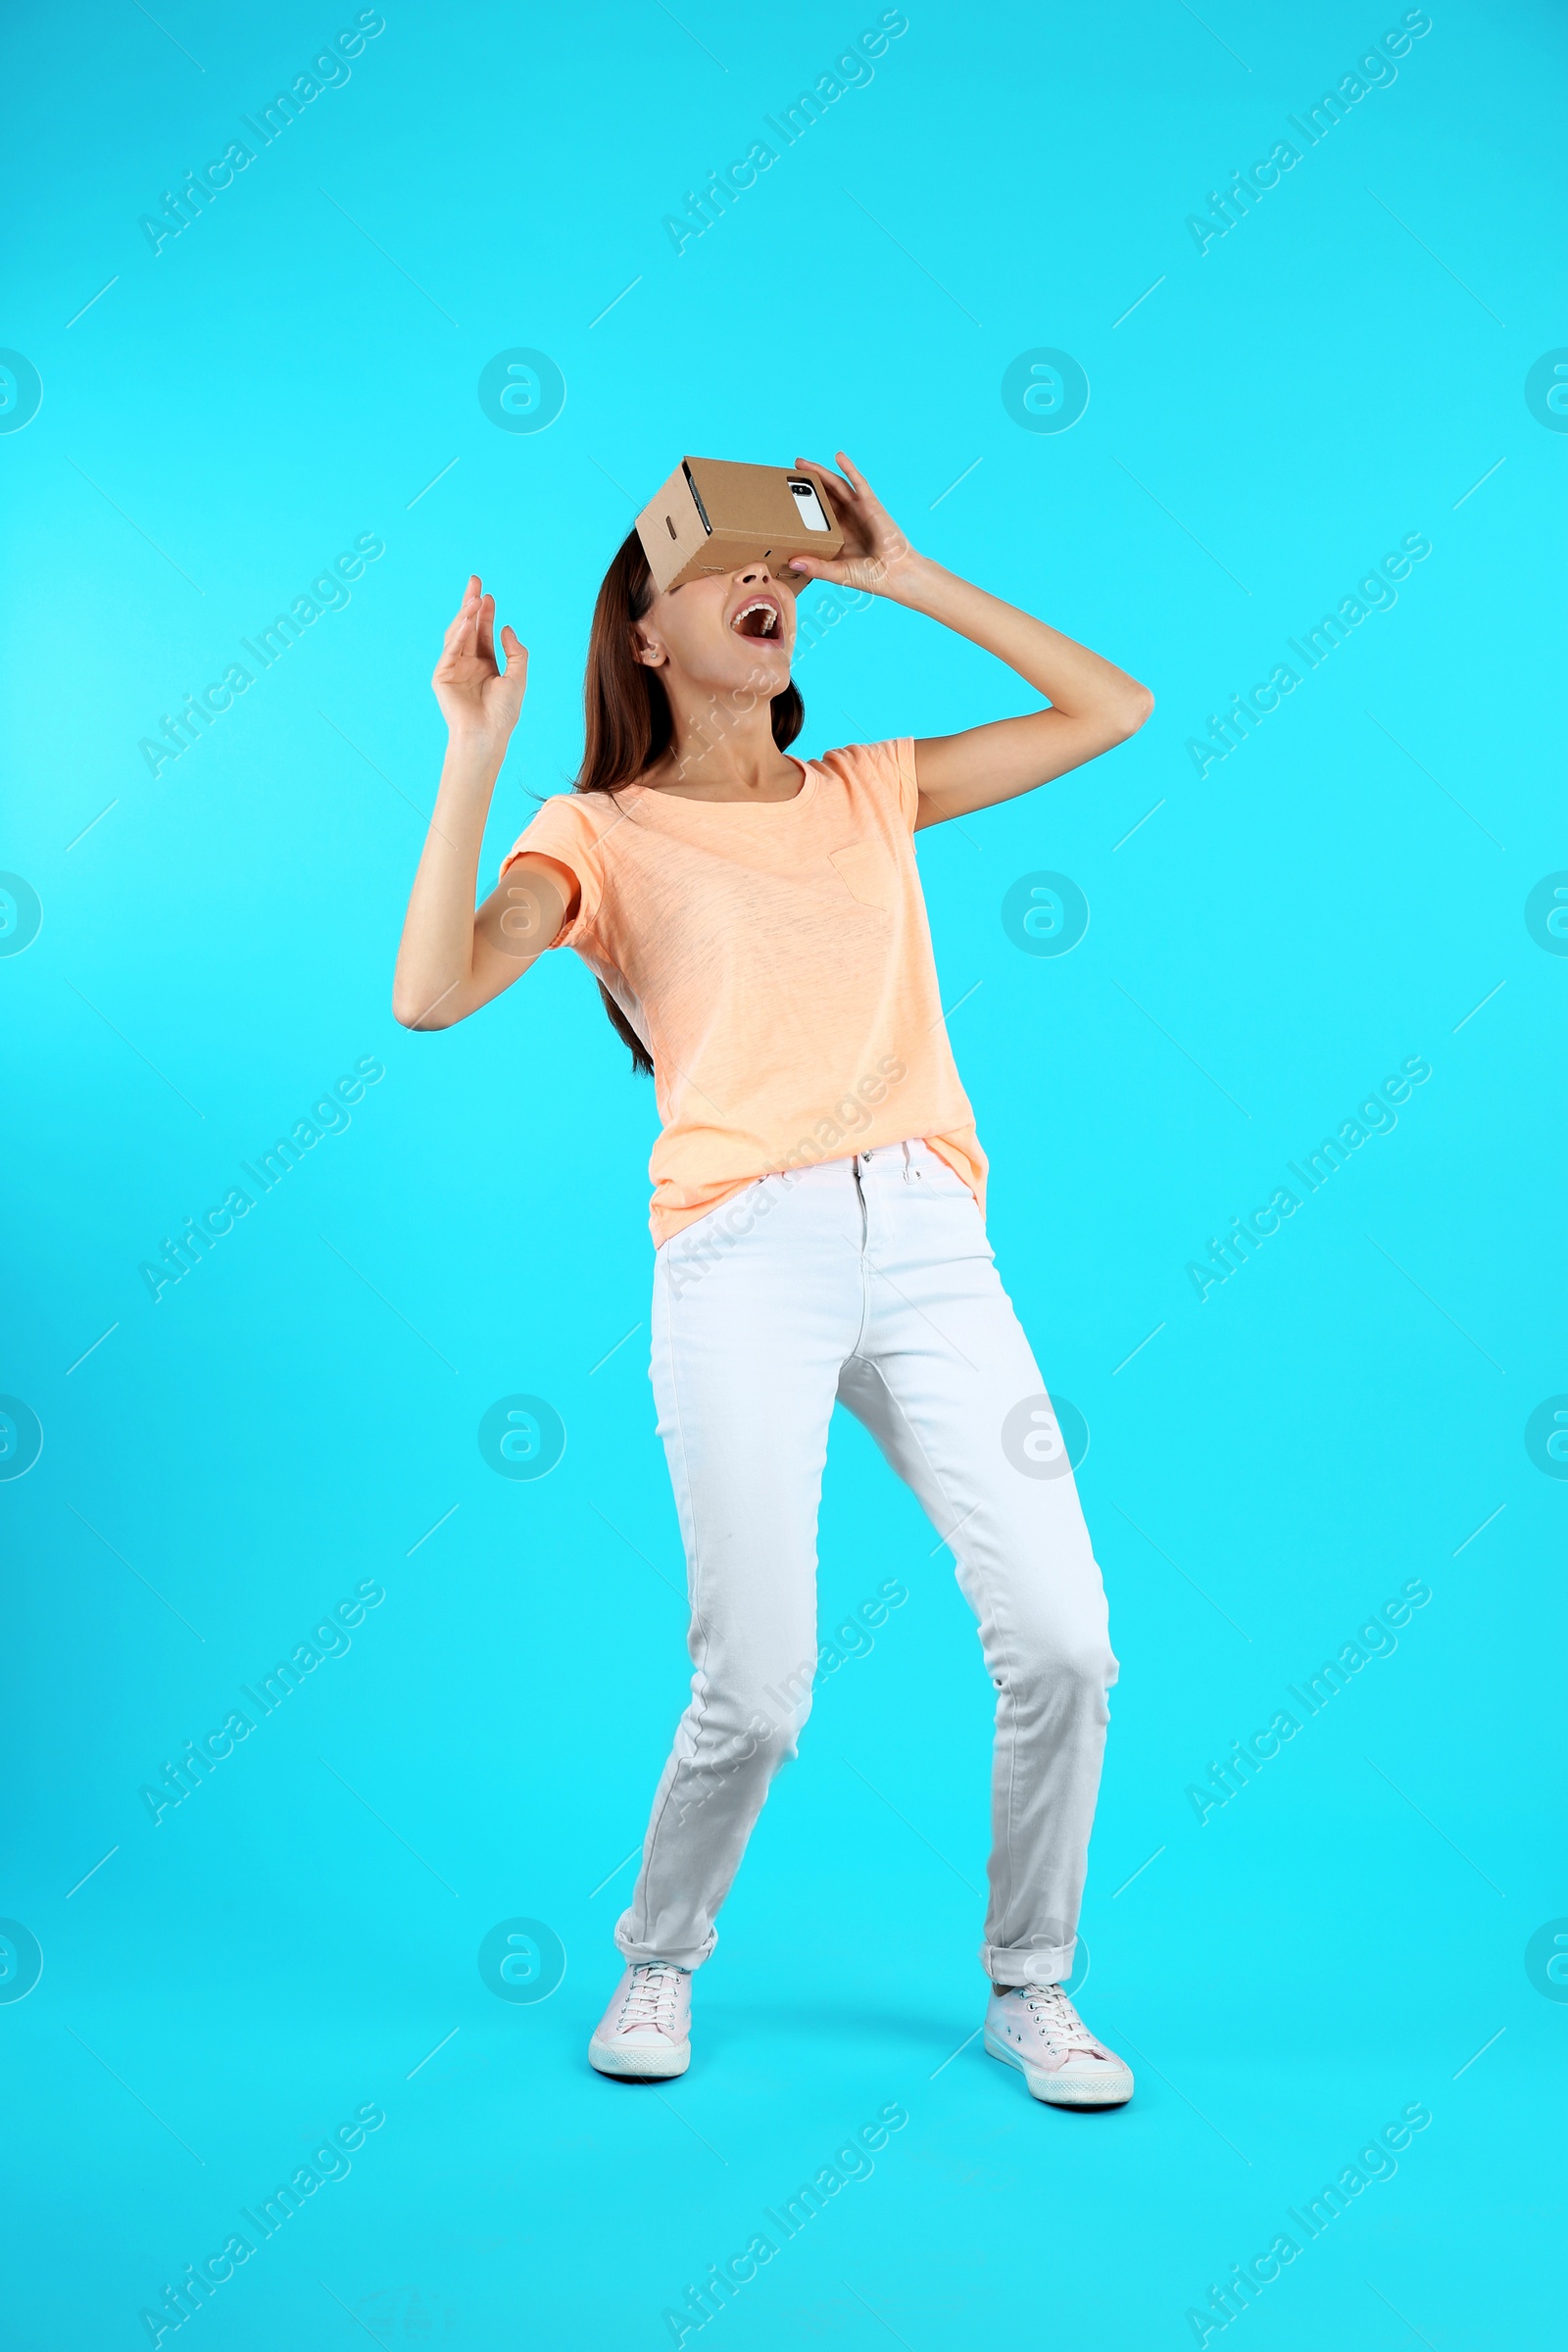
{"x": 479, "y": 699}
{"x": 877, "y": 551}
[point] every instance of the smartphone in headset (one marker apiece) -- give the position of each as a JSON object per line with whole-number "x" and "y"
{"x": 807, "y": 505}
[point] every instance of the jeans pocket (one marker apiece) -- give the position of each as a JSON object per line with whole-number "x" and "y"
{"x": 945, "y": 1181}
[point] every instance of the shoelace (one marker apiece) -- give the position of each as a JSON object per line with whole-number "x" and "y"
{"x": 1063, "y": 2028}
{"x": 651, "y": 1997}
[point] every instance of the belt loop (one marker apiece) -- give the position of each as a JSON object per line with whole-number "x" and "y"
{"x": 905, "y": 1163}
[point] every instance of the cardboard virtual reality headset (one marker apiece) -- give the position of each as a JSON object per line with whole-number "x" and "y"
{"x": 711, "y": 515}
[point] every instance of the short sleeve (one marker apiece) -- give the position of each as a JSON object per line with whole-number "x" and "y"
{"x": 902, "y": 753}
{"x": 887, "y": 769}
{"x": 564, "y": 831}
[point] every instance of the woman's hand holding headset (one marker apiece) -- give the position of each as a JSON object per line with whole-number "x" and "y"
{"x": 1090, "y": 703}
{"x": 877, "y": 556}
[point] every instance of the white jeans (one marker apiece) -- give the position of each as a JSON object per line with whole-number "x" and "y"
{"x": 869, "y": 1280}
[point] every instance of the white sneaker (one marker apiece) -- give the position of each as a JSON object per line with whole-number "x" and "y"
{"x": 1036, "y": 2029}
{"x": 645, "y": 2035}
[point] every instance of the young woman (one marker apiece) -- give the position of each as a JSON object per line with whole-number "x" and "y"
{"x": 756, "y": 925}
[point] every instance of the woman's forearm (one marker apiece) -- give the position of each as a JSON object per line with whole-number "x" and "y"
{"x": 1092, "y": 705}
{"x": 1075, "y": 681}
{"x": 434, "y": 974}
{"x": 437, "y": 980}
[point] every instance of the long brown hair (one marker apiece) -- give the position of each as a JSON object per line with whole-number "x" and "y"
{"x": 626, "y": 716}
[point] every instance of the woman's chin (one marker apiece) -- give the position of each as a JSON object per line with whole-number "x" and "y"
{"x": 761, "y": 669}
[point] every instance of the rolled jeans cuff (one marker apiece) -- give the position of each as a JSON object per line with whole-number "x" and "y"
{"x": 1035, "y": 1963}
{"x": 635, "y": 1954}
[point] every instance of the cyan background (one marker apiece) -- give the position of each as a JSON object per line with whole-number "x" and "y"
{"x": 292, "y": 1419}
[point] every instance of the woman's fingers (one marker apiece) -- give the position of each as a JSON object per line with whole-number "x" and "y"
{"x": 866, "y": 500}
{"x": 470, "y": 638}
{"x": 515, "y": 676}
{"x": 857, "y": 509}
{"x": 873, "y": 514}
{"x": 818, "y": 567}
{"x": 841, "y": 491}
{"x": 505, "y": 690}
{"x": 455, "y": 652}
{"x": 461, "y": 622}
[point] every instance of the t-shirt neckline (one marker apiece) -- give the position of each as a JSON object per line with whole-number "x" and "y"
{"x": 808, "y": 768}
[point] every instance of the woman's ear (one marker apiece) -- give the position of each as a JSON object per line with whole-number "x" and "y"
{"x": 647, "y": 650}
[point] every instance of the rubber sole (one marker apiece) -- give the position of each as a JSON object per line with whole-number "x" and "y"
{"x": 1065, "y": 2090}
{"x": 638, "y": 2066}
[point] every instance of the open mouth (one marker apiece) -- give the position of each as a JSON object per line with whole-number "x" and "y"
{"x": 762, "y": 618}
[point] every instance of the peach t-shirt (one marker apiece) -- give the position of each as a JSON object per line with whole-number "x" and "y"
{"x": 774, "y": 957}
